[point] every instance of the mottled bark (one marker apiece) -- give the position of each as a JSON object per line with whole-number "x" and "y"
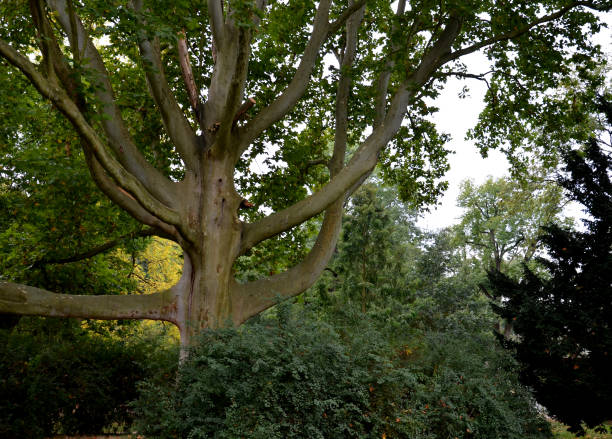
{"x": 200, "y": 213}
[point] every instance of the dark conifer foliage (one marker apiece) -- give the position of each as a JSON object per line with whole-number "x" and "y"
{"x": 563, "y": 322}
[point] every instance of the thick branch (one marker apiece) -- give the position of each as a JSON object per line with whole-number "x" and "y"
{"x": 233, "y": 90}
{"x": 215, "y": 14}
{"x": 253, "y": 297}
{"x": 119, "y": 138}
{"x": 26, "y": 300}
{"x": 176, "y": 124}
{"x": 124, "y": 200}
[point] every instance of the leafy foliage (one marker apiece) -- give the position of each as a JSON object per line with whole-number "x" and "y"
{"x": 419, "y": 362}
{"x": 562, "y": 321}
{"x": 285, "y": 376}
{"x": 64, "y": 380}
{"x": 565, "y": 85}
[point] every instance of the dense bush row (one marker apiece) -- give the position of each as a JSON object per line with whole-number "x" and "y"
{"x": 284, "y": 376}
{"x": 68, "y": 380}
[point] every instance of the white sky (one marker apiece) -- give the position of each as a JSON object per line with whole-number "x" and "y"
{"x": 455, "y": 117}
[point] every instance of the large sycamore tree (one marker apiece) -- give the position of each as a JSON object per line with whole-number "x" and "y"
{"x": 322, "y": 90}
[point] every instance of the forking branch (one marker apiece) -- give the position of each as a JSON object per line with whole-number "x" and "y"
{"x": 254, "y": 297}
{"x": 366, "y": 156}
{"x": 118, "y": 136}
{"x": 321, "y": 30}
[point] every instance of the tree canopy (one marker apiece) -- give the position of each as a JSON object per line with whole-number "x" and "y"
{"x": 504, "y": 218}
{"x": 171, "y": 106}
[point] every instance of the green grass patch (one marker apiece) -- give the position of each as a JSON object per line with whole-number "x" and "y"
{"x": 560, "y": 432}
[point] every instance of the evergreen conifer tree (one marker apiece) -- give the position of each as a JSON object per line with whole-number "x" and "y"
{"x": 563, "y": 323}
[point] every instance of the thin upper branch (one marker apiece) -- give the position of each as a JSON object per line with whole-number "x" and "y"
{"x": 175, "y": 122}
{"x": 346, "y": 14}
{"x": 98, "y": 249}
{"x": 343, "y": 90}
{"x": 26, "y": 300}
{"x": 54, "y": 62}
{"x": 382, "y": 84}
{"x": 516, "y": 32}
{"x": 478, "y": 76}
{"x": 117, "y": 133}
{"x": 187, "y": 73}
{"x": 322, "y": 29}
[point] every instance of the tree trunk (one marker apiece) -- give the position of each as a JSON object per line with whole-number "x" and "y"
{"x": 204, "y": 291}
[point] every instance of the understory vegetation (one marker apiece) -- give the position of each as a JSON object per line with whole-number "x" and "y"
{"x": 396, "y": 340}
{"x": 294, "y": 374}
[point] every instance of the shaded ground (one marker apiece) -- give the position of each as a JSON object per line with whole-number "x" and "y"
{"x": 101, "y": 436}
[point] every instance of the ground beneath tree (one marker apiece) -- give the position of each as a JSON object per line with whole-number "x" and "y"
{"x": 100, "y": 436}
{"x": 560, "y": 432}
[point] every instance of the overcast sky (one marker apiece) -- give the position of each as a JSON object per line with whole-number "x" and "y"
{"x": 455, "y": 117}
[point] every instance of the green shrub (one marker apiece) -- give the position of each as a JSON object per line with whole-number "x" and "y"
{"x": 471, "y": 390}
{"x": 76, "y": 383}
{"x": 272, "y": 379}
{"x": 284, "y": 376}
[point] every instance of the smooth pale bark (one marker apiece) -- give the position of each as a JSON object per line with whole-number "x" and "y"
{"x": 26, "y": 300}
{"x": 200, "y": 213}
{"x": 115, "y": 130}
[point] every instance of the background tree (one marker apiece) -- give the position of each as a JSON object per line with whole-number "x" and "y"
{"x": 502, "y": 224}
{"x": 376, "y": 248}
{"x": 503, "y": 218}
{"x": 161, "y": 115}
{"x": 563, "y": 319}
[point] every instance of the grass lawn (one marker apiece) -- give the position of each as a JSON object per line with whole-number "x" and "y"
{"x": 560, "y": 432}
